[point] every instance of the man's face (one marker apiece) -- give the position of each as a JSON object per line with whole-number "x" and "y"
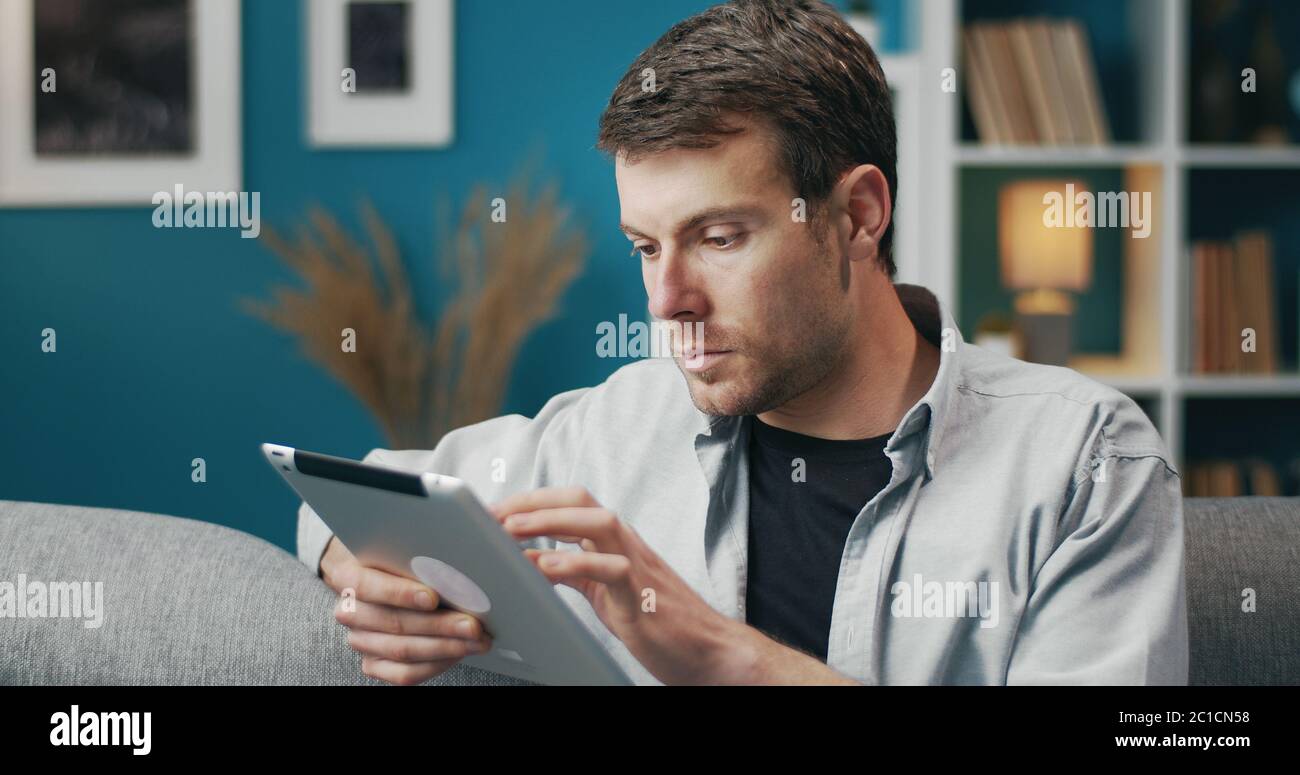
{"x": 720, "y": 244}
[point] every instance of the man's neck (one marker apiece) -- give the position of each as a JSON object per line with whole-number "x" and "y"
{"x": 875, "y": 385}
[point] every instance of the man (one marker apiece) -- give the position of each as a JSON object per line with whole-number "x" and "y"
{"x": 835, "y": 488}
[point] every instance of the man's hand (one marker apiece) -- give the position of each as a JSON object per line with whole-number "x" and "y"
{"x": 669, "y": 628}
{"x": 395, "y": 622}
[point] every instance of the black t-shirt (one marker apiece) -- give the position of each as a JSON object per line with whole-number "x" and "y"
{"x": 804, "y": 493}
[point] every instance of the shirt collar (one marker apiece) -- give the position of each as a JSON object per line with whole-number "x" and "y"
{"x": 934, "y": 321}
{"x": 928, "y": 415}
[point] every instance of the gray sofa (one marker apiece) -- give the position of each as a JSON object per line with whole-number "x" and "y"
{"x": 188, "y": 602}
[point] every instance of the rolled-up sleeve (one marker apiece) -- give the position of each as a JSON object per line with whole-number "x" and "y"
{"x": 1108, "y": 606}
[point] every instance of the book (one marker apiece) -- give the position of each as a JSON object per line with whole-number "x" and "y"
{"x": 1225, "y": 479}
{"x": 1213, "y": 310}
{"x": 1080, "y": 54}
{"x": 1046, "y": 57}
{"x": 1214, "y": 479}
{"x": 1033, "y": 81}
{"x": 1230, "y": 341}
{"x": 1231, "y": 478}
{"x": 979, "y": 96}
{"x": 1028, "y": 53}
{"x": 1072, "y": 84}
{"x": 1200, "y": 355}
{"x": 1264, "y": 479}
{"x": 1007, "y": 76}
{"x": 1233, "y": 291}
{"x": 1257, "y": 297}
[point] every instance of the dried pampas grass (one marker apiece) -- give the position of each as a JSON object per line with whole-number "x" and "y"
{"x": 421, "y": 383}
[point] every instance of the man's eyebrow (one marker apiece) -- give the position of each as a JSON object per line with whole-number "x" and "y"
{"x": 704, "y": 216}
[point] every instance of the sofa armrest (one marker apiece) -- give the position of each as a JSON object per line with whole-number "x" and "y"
{"x": 184, "y": 602}
{"x": 1234, "y": 545}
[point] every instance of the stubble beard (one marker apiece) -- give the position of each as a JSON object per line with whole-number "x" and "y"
{"x": 774, "y": 379}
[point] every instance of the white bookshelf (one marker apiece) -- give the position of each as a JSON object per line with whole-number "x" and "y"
{"x": 904, "y": 76}
{"x": 935, "y": 176}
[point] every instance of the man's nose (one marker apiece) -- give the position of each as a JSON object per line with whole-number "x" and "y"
{"x": 672, "y": 288}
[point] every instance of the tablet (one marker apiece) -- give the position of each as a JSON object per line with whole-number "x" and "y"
{"x": 433, "y": 529}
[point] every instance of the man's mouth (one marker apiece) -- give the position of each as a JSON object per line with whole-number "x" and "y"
{"x": 699, "y": 360}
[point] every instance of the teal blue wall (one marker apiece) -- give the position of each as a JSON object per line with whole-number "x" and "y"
{"x": 156, "y": 365}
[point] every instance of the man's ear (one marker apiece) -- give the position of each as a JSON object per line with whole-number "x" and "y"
{"x": 863, "y": 196}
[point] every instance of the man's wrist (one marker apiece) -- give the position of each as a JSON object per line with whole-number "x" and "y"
{"x": 735, "y": 654}
{"x": 745, "y": 656}
{"x": 321, "y": 569}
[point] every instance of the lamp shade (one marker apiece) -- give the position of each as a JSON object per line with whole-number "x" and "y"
{"x": 1037, "y": 252}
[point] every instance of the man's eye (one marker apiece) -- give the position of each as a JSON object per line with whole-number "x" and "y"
{"x": 723, "y": 241}
{"x": 646, "y": 251}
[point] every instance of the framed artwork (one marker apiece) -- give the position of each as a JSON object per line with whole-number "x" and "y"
{"x": 110, "y": 102}
{"x": 379, "y": 72}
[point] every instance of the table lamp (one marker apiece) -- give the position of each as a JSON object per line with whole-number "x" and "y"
{"x": 1043, "y": 262}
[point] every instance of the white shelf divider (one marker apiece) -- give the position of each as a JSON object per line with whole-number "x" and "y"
{"x": 1075, "y": 156}
{"x": 1221, "y": 156}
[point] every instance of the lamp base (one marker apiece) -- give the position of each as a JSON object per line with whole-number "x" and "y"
{"x": 1047, "y": 337}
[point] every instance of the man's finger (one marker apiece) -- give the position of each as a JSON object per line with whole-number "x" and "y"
{"x": 413, "y": 648}
{"x": 611, "y": 569}
{"x": 403, "y": 673}
{"x": 376, "y": 586}
{"x": 543, "y": 498}
{"x": 403, "y": 621}
{"x": 570, "y": 525}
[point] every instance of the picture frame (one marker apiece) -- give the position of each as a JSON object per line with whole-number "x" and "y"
{"x": 401, "y": 95}
{"x": 78, "y": 170}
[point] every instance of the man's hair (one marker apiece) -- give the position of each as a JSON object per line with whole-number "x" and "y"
{"x": 794, "y": 65}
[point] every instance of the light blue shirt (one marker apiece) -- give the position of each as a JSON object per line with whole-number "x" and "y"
{"x": 1031, "y": 532}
